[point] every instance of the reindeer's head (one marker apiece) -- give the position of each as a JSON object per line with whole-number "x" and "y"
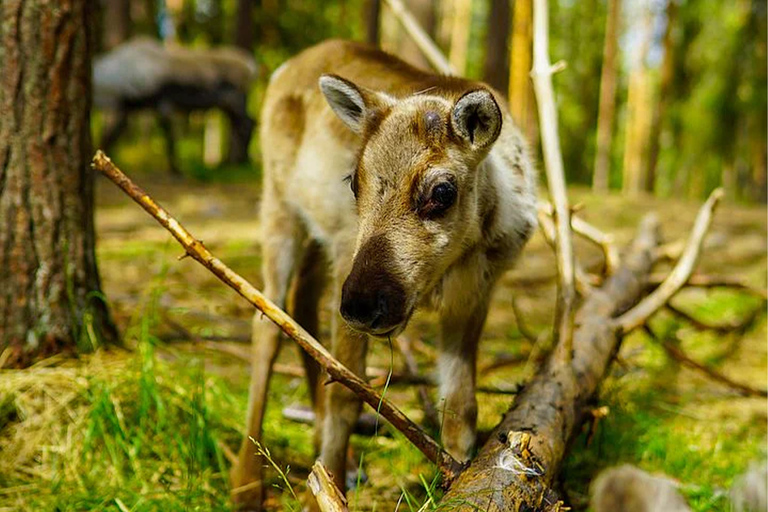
{"x": 416, "y": 191}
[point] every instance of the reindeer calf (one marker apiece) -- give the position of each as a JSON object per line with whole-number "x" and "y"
{"x": 403, "y": 187}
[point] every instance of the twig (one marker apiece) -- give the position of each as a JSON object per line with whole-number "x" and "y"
{"x": 705, "y": 325}
{"x": 583, "y": 282}
{"x": 338, "y": 372}
{"x": 431, "y": 418}
{"x": 329, "y": 497}
{"x": 680, "y": 356}
{"x": 553, "y": 160}
{"x": 638, "y": 315}
{"x": 603, "y": 240}
{"x": 522, "y": 326}
{"x": 718, "y": 281}
{"x": 420, "y": 37}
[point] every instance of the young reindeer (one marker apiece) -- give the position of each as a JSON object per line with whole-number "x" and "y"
{"x": 442, "y": 200}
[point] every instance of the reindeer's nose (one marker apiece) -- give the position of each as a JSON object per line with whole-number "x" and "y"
{"x": 372, "y": 298}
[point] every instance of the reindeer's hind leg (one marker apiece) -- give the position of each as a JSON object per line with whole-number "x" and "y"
{"x": 307, "y": 292}
{"x": 280, "y": 247}
{"x": 164, "y": 111}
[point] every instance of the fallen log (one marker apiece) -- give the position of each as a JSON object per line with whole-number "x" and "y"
{"x": 516, "y": 468}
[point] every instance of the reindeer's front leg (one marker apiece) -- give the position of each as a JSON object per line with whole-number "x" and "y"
{"x": 462, "y": 316}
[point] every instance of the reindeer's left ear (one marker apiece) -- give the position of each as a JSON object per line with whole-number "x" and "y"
{"x": 352, "y": 103}
{"x": 476, "y": 118}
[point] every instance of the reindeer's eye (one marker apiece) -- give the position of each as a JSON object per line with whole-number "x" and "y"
{"x": 352, "y": 184}
{"x": 442, "y": 197}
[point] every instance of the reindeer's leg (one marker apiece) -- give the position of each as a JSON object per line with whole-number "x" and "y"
{"x": 342, "y": 407}
{"x": 164, "y": 111}
{"x": 114, "y": 130}
{"x": 465, "y": 306}
{"x": 280, "y": 242}
{"x": 307, "y": 292}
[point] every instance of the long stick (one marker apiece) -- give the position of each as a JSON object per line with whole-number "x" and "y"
{"x": 448, "y": 466}
{"x": 553, "y": 160}
{"x": 638, "y": 315}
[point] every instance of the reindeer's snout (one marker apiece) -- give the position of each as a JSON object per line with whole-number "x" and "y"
{"x": 372, "y": 298}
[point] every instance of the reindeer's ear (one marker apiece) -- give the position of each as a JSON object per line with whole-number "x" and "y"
{"x": 350, "y": 102}
{"x": 476, "y": 118}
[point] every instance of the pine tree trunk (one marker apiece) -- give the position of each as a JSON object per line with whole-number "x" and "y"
{"x": 462, "y": 21}
{"x": 117, "y": 25}
{"x": 371, "y": 18}
{"x": 667, "y": 75}
{"x": 50, "y": 299}
{"x": 600, "y": 178}
{"x": 496, "y": 71}
{"x": 244, "y": 25}
{"x": 520, "y": 88}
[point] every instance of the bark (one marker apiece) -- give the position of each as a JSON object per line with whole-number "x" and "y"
{"x": 638, "y": 118}
{"x": 117, "y": 22}
{"x": 607, "y": 109}
{"x": 460, "y": 30}
{"x": 521, "y": 56}
{"x": 50, "y": 298}
{"x": 372, "y": 15}
{"x": 517, "y": 467}
{"x": 244, "y": 25}
{"x": 496, "y": 71}
{"x": 662, "y": 102}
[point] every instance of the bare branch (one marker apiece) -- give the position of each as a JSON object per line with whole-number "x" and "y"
{"x": 329, "y": 497}
{"x": 553, "y": 160}
{"x": 594, "y": 235}
{"x": 681, "y": 357}
{"x": 420, "y": 37}
{"x": 338, "y": 372}
{"x": 638, "y": 315}
{"x": 583, "y": 283}
{"x": 709, "y": 281}
{"x": 706, "y": 325}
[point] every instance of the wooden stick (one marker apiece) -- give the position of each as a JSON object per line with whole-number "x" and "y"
{"x": 681, "y": 357}
{"x": 589, "y": 232}
{"x": 553, "y": 160}
{"x": 717, "y": 281}
{"x": 447, "y": 465}
{"x": 548, "y": 229}
{"x": 420, "y": 37}
{"x": 637, "y": 316}
{"x": 329, "y": 497}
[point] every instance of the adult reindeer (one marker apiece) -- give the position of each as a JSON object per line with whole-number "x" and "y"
{"x": 405, "y": 188}
{"x": 143, "y": 74}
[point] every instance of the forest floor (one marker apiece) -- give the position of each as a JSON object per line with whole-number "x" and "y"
{"x": 150, "y": 428}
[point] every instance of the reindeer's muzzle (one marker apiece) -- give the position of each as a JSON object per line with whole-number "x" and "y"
{"x": 372, "y": 299}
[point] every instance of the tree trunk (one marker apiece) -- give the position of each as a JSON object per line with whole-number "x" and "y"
{"x": 667, "y": 75}
{"x": 520, "y": 88}
{"x": 117, "y": 28}
{"x": 638, "y": 118}
{"x": 372, "y": 14}
{"x": 517, "y": 467}
{"x": 601, "y": 176}
{"x": 496, "y": 71}
{"x": 460, "y": 30}
{"x": 397, "y": 41}
{"x": 244, "y": 25}
{"x": 50, "y": 298}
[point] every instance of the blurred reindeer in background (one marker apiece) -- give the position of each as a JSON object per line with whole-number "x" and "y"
{"x": 143, "y": 74}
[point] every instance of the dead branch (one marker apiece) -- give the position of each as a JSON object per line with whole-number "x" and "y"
{"x": 717, "y": 281}
{"x": 594, "y": 235}
{"x": 522, "y": 326}
{"x": 518, "y": 465}
{"x": 676, "y": 353}
{"x": 329, "y": 497}
{"x": 638, "y": 315}
{"x": 548, "y": 229}
{"x": 553, "y": 160}
{"x": 431, "y": 418}
{"x": 722, "y": 328}
{"x": 420, "y": 37}
{"x": 448, "y": 466}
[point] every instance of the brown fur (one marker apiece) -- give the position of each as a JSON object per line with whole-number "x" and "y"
{"x": 413, "y": 143}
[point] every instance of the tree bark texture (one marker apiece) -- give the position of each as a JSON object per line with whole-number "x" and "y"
{"x": 516, "y": 468}
{"x": 50, "y": 296}
{"x": 601, "y": 176}
{"x": 496, "y": 71}
{"x": 116, "y": 22}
